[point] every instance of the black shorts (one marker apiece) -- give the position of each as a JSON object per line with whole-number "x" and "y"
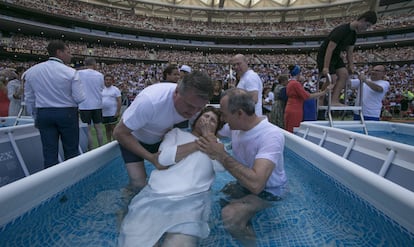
{"x": 89, "y": 116}
{"x": 130, "y": 157}
{"x": 109, "y": 120}
{"x": 336, "y": 63}
{"x": 234, "y": 190}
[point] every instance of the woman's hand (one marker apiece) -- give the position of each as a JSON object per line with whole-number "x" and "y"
{"x": 206, "y": 127}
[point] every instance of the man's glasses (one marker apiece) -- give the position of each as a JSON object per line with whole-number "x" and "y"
{"x": 377, "y": 70}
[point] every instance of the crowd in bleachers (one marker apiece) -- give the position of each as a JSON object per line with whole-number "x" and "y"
{"x": 113, "y": 51}
{"x": 132, "y": 78}
{"x": 127, "y": 18}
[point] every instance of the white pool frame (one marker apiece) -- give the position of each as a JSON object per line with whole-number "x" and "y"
{"x": 394, "y": 201}
{"x": 389, "y": 159}
{"x": 21, "y": 152}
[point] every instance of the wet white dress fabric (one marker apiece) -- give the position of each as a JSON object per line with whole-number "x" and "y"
{"x": 175, "y": 200}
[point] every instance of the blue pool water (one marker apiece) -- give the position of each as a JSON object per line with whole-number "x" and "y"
{"x": 317, "y": 211}
{"x": 392, "y": 136}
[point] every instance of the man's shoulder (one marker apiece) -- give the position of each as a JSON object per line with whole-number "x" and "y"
{"x": 249, "y": 77}
{"x": 270, "y": 129}
{"x": 383, "y": 83}
{"x": 341, "y": 27}
{"x": 160, "y": 87}
{"x": 90, "y": 71}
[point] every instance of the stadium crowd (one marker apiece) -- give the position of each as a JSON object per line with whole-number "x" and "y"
{"x": 128, "y": 19}
{"x": 132, "y": 77}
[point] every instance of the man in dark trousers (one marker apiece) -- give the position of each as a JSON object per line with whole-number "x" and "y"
{"x": 52, "y": 93}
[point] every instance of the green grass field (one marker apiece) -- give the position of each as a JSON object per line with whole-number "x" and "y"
{"x": 95, "y": 140}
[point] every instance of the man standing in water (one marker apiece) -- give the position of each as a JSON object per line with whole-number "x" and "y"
{"x": 257, "y": 163}
{"x": 152, "y": 114}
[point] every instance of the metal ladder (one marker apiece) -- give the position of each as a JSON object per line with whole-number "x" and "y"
{"x": 358, "y": 108}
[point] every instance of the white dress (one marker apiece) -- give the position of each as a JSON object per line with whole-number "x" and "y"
{"x": 175, "y": 200}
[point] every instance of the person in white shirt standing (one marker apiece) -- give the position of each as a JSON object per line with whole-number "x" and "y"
{"x": 91, "y": 108}
{"x": 111, "y": 106}
{"x": 249, "y": 81}
{"x": 52, "y": 93}
{"x": 373, "y": 92}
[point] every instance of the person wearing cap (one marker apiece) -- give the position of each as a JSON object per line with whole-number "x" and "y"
{"x": 184, "y": 69}
{"x": 296, "y": 97}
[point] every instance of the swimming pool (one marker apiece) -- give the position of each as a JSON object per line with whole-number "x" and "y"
{"x": 392, "y": 131}
{"x": 317, "y": 211}
{"x": 21, "y": 148}
{"x": 390, "y": 159}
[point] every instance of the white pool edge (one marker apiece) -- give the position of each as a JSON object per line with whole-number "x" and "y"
{"x": 393, "y": 200}
{"x": 21, "y": 196}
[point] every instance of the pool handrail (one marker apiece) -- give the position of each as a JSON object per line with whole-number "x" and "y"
{"x": 393, "y": 200}
{"x": 396, "y": 202}
{"x": 389, "y": 159}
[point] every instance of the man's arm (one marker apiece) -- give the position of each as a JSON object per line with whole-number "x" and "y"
{"x": 118, "y": 106}
{"x": 78, "y": 93}
{"x": 173, "y": 153}
{"x": 170, "y": 152}
{"x": 371, "y": 84}
{"x": 125, "y": 138}
{"x": 253, "y": 179}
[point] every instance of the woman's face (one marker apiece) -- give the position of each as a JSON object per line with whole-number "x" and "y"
{"x": 208, "y": 120}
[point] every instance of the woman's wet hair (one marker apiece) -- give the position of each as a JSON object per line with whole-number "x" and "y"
{"x": 216, "y": 111}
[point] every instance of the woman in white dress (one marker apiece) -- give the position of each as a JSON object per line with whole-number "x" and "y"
{"x": 176, "y": 201}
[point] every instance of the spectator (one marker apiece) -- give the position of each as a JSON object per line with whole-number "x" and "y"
{"x": 171, "y": 74}
{"x": 184, "y": 69}
{"x": 296, "y": 96}
{"x": 91, "y": 107}
{"x": 15, "y": 92}
{"x": 111, "y": 106}
{"x": 4, "y": 100}
{"x": 249, "y": 80}
{"x": 53, "y": 91}
{"x": 278, "y": 109}
{"x": 373, "y": 92}
{"x": 218, "y": 90}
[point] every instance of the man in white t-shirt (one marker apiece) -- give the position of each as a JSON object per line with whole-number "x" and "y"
{"x": 90, "y": 109}
{"x": 249, "y": 80}
{"x": 257, "y": 162}
{"x": 152, "y": 114}
{"x": 111, "y": 106}
{"x": 373, "y": 92}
